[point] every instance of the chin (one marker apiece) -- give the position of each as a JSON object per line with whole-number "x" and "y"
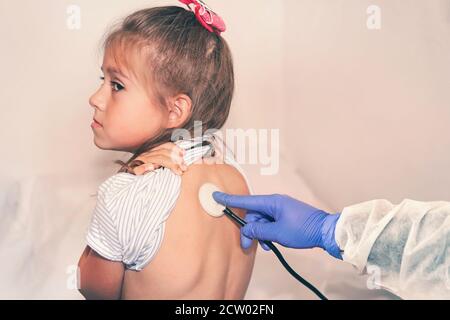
{"x": 130, "y": 149}
{"x": 99, "y": 145}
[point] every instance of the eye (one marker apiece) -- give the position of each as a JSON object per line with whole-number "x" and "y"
{"x": 114, "y": 85}
{"x": 117, "y": 86}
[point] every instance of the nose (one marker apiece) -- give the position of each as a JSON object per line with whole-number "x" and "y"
{"x": 97, "y": 100}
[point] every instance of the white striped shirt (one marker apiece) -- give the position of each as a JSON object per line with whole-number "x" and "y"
{"x": 131, "y": 211}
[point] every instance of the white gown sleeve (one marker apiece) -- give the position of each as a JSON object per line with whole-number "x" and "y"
{"x": 404, "y": 246}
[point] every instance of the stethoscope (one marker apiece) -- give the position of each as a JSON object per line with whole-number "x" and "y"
{"x": 217, "y": 210}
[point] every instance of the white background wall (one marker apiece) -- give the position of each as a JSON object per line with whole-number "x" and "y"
{"x": 363, "y": 114}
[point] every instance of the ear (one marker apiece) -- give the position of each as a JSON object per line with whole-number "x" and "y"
{"x": 180, "y": 109}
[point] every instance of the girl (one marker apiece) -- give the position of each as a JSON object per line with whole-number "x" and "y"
{"x": 166, "y": 69}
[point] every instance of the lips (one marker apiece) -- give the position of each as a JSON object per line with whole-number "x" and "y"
{"x": 97, "y": 122}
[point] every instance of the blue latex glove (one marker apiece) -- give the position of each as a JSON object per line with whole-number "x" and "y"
{"x": 284, "y": 220}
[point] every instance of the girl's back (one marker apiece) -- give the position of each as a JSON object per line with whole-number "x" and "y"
{"x": 200, "y": 256}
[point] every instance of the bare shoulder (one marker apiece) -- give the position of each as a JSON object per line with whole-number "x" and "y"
{"x": 225, "y": 176}
{"x": 235, "y": 182}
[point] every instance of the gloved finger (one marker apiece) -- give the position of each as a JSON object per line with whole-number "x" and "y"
{"x": 263, "y": 204}
{"x": 254, "y": 216}
{"x": 246, "y": 243}
{"x": 260, "y": 231}
{"x": 264, "y": 246}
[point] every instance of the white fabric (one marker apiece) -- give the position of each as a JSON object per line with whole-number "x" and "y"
{"x": 131, "y": 211}
{"x": 404, "y": 246}
{"x": 130, "y": 214}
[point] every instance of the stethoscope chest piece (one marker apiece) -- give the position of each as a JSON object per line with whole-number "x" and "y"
{"x": 205, "y": 195}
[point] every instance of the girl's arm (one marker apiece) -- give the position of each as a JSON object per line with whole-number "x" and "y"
{"x": 100, "y": 279}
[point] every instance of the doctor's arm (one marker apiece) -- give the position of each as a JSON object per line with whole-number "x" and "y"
{"x": 404, "y": 247}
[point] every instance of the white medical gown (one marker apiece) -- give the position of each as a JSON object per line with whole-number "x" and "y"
{"x": 404, "y": 248}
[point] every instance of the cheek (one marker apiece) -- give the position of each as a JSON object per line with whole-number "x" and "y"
{"x": 134, "y": 127}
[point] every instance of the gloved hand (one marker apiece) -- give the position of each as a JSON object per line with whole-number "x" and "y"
{"x": 284, "y": 220}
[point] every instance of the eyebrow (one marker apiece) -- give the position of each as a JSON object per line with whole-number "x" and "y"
{"x": 112, "y": 70}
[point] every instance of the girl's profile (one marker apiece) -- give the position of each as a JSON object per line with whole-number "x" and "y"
{"x": 149, "y": 238}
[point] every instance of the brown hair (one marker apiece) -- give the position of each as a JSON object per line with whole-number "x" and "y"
{"x": 181, "y": 56}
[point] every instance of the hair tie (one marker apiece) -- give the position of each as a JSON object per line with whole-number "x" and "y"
{"x": 208, "y": 18}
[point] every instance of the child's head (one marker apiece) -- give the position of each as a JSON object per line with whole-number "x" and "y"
{"x": 163, "y": 71}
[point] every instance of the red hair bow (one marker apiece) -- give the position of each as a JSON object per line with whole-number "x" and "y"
{"x": 208, "y": 18}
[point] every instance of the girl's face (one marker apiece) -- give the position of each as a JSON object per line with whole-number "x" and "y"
{"x": 126, "y": 115}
